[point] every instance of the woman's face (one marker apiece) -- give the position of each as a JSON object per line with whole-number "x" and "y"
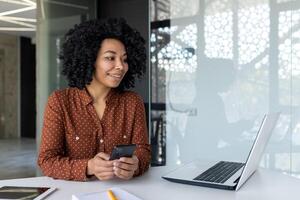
{"x": 111, "y": 63}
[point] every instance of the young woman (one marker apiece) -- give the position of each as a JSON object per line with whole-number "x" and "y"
{"x": 84, "y": 122}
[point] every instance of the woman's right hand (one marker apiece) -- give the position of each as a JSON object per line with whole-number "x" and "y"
{"x": 101, "y": 167}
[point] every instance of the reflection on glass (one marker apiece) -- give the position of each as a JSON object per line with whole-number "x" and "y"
{"x": 210, "y": 129}
{"x": 218, "y": 69}
{"x": 218, "y": 32}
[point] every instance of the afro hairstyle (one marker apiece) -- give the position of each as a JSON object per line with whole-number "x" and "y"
{"x": 82, "y": 43}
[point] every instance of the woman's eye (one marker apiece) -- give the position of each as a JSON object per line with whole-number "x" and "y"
{"x": 110, "y": 58}
{"x": 125, "y": 60}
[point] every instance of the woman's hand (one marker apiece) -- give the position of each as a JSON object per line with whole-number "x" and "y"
{"x": 101, "y": 167}
{"x": 125, "y": 168}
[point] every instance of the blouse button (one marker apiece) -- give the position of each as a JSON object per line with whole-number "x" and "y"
{"x": 77, "y": 138}
{"x": 101, "y": 141}
{"x": 124, "y": 136}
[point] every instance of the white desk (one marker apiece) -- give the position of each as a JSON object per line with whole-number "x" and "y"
{"x": 264, "y": 184}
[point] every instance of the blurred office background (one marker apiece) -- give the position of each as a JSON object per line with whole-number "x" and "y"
{"x": 214, "y": 68}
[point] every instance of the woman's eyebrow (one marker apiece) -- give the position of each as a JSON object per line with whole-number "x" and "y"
{"x": 110, "y": 51}
{"x": 113, "y": 52}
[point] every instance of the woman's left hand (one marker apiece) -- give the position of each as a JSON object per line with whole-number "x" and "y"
{"x": 124, "y": 168}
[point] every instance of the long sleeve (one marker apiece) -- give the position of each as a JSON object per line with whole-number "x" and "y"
{"x": 140, "y": 137}
{"x": 52, "y": 157}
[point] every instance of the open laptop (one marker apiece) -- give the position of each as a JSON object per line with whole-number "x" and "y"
{"x": 224, "y": 174}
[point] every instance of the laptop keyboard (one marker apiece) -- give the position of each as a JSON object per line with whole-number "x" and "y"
{"x": 220, "y": 172}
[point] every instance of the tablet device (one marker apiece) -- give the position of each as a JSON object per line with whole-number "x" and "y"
{"x": 22, "y": 192}
{"x": 122, "y": 151}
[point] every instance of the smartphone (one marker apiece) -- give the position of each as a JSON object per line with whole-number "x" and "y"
{"x": 122, "y": 151}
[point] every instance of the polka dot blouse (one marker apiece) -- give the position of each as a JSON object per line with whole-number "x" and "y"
{"x": 73, "y": 133}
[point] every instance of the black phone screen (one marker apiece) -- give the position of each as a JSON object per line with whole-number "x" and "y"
{"x": 122, "y": 151}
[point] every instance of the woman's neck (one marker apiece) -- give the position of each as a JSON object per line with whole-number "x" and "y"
{"x": 99, "y": 94}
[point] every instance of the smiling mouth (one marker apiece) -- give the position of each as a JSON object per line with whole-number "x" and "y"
{"x": 116, "y": 76}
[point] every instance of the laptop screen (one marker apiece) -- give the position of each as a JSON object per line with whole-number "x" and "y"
{"x": 258, "y": 146}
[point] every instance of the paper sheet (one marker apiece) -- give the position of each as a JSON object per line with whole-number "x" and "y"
{"x": 118, "y": 192}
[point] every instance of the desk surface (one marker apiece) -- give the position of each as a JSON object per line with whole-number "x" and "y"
{"x": 264, "y": 184}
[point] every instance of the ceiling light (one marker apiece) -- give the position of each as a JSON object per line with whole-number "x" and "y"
{"x": 18, "y": 19}
{"x": 30, "y": 2}
{"x": 18, "y": 2}
{"x": 16, "y": 29}
{"x": 17, "y": 10}
{"x": 18, "y": 22}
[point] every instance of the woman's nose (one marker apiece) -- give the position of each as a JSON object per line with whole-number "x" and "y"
{"x": 120, "y": 64}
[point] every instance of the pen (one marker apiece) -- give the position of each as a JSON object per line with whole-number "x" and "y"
{"x": 111, "y": 195}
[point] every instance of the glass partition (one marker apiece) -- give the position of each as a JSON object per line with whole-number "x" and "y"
{"x": 55, "y": 18}
{"x": 218, "y": 67}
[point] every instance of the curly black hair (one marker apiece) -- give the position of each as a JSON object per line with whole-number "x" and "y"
{"x": 82, "y": 43}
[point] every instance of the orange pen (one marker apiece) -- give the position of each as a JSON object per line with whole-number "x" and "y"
{"x": 111, "y": 195}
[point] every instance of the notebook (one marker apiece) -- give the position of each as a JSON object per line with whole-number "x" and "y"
{"x": 226, "y": 174}
{"x": 118, "y": 192}
{"x": 22, "y": 192}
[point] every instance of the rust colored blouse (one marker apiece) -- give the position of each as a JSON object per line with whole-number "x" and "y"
{"x": 73, "y": 133}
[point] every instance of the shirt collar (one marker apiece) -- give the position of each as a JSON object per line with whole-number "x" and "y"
{"x": 85, "y": 96}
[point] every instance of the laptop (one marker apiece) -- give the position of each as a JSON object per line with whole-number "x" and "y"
{"x": 226, "y": 174}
